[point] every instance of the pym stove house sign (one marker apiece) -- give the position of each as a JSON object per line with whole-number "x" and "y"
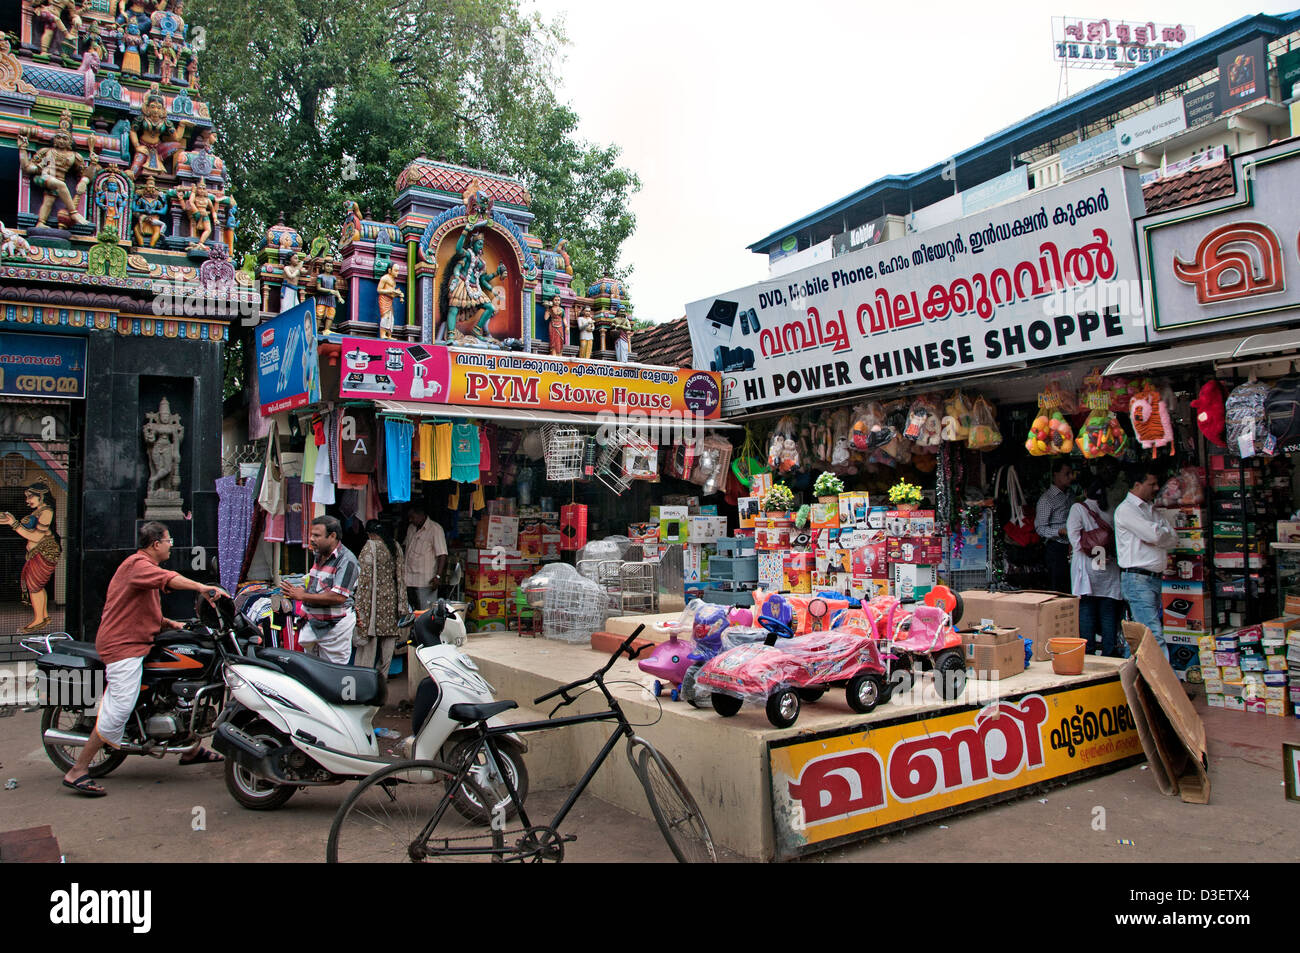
{"x": 1053, "y": 271}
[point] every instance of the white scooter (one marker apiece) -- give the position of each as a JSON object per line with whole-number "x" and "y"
{"x": 296, "y": 721}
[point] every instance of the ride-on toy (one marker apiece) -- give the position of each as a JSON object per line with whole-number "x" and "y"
{"x": 799, "y": 669}
{"x": 671, "y": 660}
{"x": 927, "y": 634}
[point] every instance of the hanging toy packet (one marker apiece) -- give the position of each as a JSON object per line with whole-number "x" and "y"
{"x": 1101, "y": 434}
{"x": 1050, "y": 432}
{"x": 984, "y": 433}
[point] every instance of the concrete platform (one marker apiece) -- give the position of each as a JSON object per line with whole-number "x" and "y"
{"x": 726, "y": 763}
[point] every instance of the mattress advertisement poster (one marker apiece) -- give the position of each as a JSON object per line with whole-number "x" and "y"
{"x": 1054, "y": 271}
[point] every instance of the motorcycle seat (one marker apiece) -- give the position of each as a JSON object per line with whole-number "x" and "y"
{"x": 82, "y": 649}
{"x": 470, "y": 713}
{"x": 339, "y": 684}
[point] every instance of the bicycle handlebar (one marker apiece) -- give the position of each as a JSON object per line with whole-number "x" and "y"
{"x": 564, "y": 690}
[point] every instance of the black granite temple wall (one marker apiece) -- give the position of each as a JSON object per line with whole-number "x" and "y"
{"x": 126, "y": 378}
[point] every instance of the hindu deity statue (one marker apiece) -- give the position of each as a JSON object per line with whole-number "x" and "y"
{"x": 387, "y": 290}
{"x": 470, "y": 286}
{"x": 201, "y": 210}
{"x": 586, "y": 332}
{"x": 557, "y": 326}
{"x": 167, "y": 54}
{"x": 192, "y": 72}
{"x": 154, "y": 138}
{"x": 111, "y": 202}
{"x": 201, "y": 157}
{"x": 134, "y": 46}
{"x": 327, "y": 296}
{"x": 291, "y": 287}
{"x": 150, "y": 209}
{"x": 622, "y": 325}
{"x": 167, "y": 20}
{"x": 54, "y": 165}
{"x": 163, "y": 433}
{"x": 59, "y": 18}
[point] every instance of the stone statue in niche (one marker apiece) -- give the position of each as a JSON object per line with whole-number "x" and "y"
{"x": 51, "y": 167}
{"x": 163, "y": 433}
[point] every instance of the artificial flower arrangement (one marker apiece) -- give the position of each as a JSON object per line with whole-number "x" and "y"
{"x": 779, "y": 499}
{"x": 904, "y": 492}
{"x": 828, "y": 484}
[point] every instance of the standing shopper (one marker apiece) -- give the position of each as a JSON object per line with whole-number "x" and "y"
{"x": 1095, "y": 577}
{"x": 426, "y": 557}
{"x": 1143, "y": 539}
{"x": 1050, "y": 519}
{"x": 329, "y": 593}
{"x": 132, "y": 617}
{"x": 381, "y": 598}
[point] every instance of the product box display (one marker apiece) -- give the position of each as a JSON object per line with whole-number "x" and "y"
{"x": 853, "y": 509}
{"x": 1039, "y": 615}
{"x": 771, "y": 571}
{"x": 912, "y": 582}
{"x": 1185, "y": 567}
{"x": 707, "y": 529}
{"x": 997, "y": 661}
{"x": 922, "y": 550}
{"x": 1184, "y": 605}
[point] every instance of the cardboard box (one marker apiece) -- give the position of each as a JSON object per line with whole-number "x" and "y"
{"x": 919, "y": 550}
{"x": 994, "y": 636}
{"x": 1184, "y": 517}
{"x": 869, "y": 560}
{"x": 500, "y": 531}
{"x": 1234, "y": 703}
{"x": 996, "y": 661}
{"x": 707, "y": 529}
{"x": 1213, "y": 699}
{"x": 1039, "y": 615}
{"x": 1185, "y": 567}
{"x": 1230, "y": 673}
{"x": 853, "y": 509}
{"x": 1212, "y": 684}
{"x": 1222, "y": 659}
{"x": 825, "y": 516}
{"x": 913, "y": 582}
{"x": 1184, "y": 606}
{"x": 771, "y": 571}
{"x": 1276, "y": 708}
{"x": 797, "y": 572}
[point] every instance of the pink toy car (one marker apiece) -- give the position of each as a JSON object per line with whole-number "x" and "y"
{"x": 926, "y": 634}
{"x": 799, "y": 669}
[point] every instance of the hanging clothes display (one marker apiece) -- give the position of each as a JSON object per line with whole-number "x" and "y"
{"x": 293, "y": 507}
{"x": 442, "y": 436}
{"x": 355, "y": 435}
{"x": 464, "y": 453}
{"x": 235, "y": 509}
{"x": 309, "y": 454}
{"x": 397, "y": 459}
{"x": 426, "y": 451}
{"x": 323, "y": 493}
{"x": 477, "y": 499}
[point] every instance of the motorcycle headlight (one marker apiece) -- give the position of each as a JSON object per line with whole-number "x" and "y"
{"x": 232, "y": 679}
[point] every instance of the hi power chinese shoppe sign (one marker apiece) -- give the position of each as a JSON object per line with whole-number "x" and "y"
{"x": 42, "y": 365}
{"x": 466, "y": 377}
{"x": 832, "y": 787}
{"x": 1228, "y": 260}
{"x": 1054, "y": 272}
{"x": 288, "y": 369}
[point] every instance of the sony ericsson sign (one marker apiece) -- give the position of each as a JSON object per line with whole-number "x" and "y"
{"x": 1052, "y": 273}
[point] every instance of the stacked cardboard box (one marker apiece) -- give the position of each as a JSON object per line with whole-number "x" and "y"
{"x": 1186, "y": 603}
{"x": 1247, "y": 669}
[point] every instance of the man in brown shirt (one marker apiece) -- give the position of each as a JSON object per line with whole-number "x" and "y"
{"x": 132, "y": 617}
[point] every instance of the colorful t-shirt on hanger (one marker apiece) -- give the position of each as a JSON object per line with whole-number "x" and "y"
{"x": 464, "y": 453}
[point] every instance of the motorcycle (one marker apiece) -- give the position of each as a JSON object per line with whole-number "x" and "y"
{"x": 181, "y": 692}
{"x": 296, "y": 721}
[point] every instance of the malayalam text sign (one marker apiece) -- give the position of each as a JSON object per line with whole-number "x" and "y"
{"x": 42, "y": 365}
{"x": 830, "y": 788}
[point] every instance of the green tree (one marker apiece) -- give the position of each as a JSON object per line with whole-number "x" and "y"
{"x": 303, "y": 91}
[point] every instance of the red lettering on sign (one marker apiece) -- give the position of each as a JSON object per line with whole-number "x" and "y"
{"x": 839, "y": 785}
{"x": 1237, "y": 260}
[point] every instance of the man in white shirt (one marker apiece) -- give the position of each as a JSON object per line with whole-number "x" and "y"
{"x": 1143, "y": 539}
{"x": 426, "y": 557}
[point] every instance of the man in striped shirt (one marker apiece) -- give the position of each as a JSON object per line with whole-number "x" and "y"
{"x": 1050, "y": 518}
{"x": 331, "y": 619}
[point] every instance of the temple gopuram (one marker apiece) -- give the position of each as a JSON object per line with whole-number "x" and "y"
{"x": 117, "y": 291}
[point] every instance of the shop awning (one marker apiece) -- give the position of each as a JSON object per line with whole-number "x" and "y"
{"x": 521, "y": 416}
{"x": 1183, "y": 355}
{"x": 1262, "y": 345}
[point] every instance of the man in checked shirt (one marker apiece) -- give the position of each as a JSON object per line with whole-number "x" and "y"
{"x": 1050, "y": 518}
{"x": 328, "y": 596}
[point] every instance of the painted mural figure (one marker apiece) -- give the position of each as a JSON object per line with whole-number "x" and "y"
{"x": 586, "y": 332}
{"x": 51, "y": 167}
{"x": 558, "y": 326}
{"x": 43, "y": 551}
{"x": 388, "y": 289}
{"x": 150, "y": 208}
{"x": 470, "y": 289}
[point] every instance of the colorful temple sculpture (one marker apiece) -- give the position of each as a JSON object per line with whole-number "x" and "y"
{"x": 456, "y": 264}
{"x": 117, "y": 291}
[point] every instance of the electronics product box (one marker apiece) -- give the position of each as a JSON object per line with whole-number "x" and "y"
{"x": 920, "y": 523}
{"x": 869, "y": 561}
{"x": 1183, "y": 656}
{"x": 710, "y": 510}
{"x": 920, "y": 550}
{"x": 1185, "y": 567}
{"x": 747, "y": 507}
{"x": 825, "y": 516}
{"x": 692, "y": 564}
{"x": 913, "y": 582}
{"x": 1183, "y": 517}
{"x": 1039, "y": 615}
{"x": 501, "y": 531}
{"x": 854, "y": 509}
{"x": 796, "y": 570}
{"x": 876, "y": 517}
{"x": 550, "y": 544}
{"x": 691, "y": 503}
{"x": 1237, "y": 560}
{"x": 673, "y": 524}
{"x": 1190, "y": 541}
{"x": 1288, "y": 531}
{"x": 1184, "y": 606}
{"x": 1277, "y": 629}
{"x": 484, "y": 581}
{"x": 707, "y": 529}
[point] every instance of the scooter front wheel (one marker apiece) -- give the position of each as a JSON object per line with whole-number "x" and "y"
{"x": 253, "y": 792}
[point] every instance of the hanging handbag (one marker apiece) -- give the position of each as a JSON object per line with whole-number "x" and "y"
{"x": 1019, "y": 530}
{"x": 1097, "y": 536}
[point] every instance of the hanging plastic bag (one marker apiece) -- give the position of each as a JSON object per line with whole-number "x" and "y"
{"x": 956, "y": 422}
{"x": 1247, "y": 424}
{"x": 783, "y": 446}
{"x": 1050, "y": 433}
{"x": 984, "y": 433}
{"x": 923, "y": 425}
{"x": 713, "y": 456}
{"x": 841, "y": 438}
{"x": 1101, "y": 434}
{"x": 868, "y": 424}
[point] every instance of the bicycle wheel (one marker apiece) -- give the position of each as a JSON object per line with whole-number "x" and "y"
{"x": 675, "y": 811}
{"x": 384, "y": 818}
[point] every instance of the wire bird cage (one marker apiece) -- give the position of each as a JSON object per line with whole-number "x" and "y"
{"x": 563, "y": 453}
{"x": 575, "y": 607}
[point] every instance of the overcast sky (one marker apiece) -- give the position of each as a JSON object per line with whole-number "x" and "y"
{"x": 741, "y": 117}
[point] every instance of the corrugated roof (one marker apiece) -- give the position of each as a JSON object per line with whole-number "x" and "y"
{"x": 667, "y": 344}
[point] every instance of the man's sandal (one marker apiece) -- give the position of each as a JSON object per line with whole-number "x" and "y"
{"x": 204, "y": 757}
{"x": 86, "y": 786}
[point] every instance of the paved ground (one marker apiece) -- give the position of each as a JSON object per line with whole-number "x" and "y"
{"x": 154, "y": 807}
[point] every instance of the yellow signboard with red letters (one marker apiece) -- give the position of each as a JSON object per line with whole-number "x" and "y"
{"x": 829, "y": 788}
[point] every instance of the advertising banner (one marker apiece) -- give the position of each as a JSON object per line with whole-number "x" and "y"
{"x": 871, "y": 233}
{"x": 288, "y": 369}
{"x": 830, "y": 787}
{"x": 1053, "y": 272}
{"x": 468, "y": 377}
{"x": 1004, "y": 188}
{"x": 1201, "y": 106}
{"x": 42, "y": 365}
{"x": 1226, "y": 261}
{"x": 1150, "y": 126}
{"x": 1288, "y": 73}
{"x": 1090, "y": 152}
{"x": 1243, "y": 75}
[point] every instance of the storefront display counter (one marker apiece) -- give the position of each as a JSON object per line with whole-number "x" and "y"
{"x": 838, "y": 776}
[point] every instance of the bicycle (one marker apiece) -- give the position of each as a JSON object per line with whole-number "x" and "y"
{"x": 432, "y": 811}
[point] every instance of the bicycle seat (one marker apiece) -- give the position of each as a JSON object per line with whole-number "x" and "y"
{"x": 468, "y": 713}
{"x": 361, "y": 685}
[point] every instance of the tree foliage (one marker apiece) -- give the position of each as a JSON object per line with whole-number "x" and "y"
{"x": 304, "y": 91}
